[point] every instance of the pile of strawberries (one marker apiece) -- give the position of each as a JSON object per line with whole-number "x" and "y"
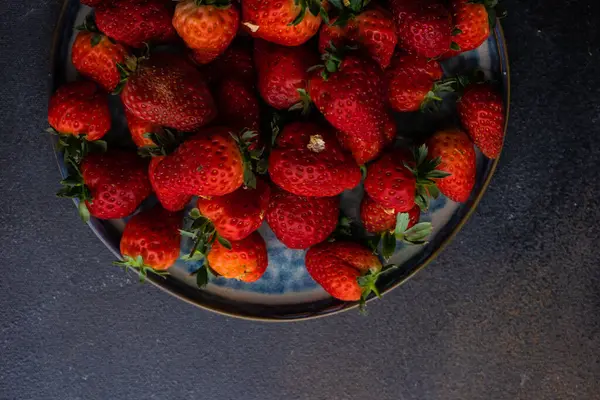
{"x": 270, "y": 109}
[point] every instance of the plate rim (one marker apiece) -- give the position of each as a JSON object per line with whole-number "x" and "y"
{"x": 499, "y": 37}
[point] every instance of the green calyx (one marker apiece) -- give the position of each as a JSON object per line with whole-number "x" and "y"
{"x": 304, "y": 104}
{"x": 203, "y": 233}
{"x": 415, "y": 235}
{"x": 137, "y": 263}
{"x": 164, "y": 143}
{"x": 347, "y": 9}
{"x": 426, "y": 174}
{"x": 315, "y": 7}
{"x": 126, "y": 69}
{"x": 332, "y": 59}
{"x": 75, "y": 188}
{"x": 253, "y": 159}
{"x": 89, "y": 25}
{"x": 214, "y": 3}
{"x": 448, "y": 85}
{"x": 368, "y": 284}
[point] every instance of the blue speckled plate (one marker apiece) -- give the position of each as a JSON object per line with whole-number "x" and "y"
{"x": 286, "y": 291}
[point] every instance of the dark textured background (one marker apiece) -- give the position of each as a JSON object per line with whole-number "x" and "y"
{"x": 509, "y": 311}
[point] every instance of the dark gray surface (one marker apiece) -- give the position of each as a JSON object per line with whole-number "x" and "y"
{"x": 509, "y": 311}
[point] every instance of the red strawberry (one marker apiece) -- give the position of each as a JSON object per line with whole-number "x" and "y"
{"x": 150, "y": 241}
{"x": 481, "y": 111}
{"x": 80, "y": 108}
{"x": 373, "y": 31}
{"x": 351, "y": 96}
{"x": 236, "y": 215}
{"x": 472, "y": 20}
{"x": 308, "y": 161}
{"x": 413, "y": 82}
{"x": 378, "y": 219}
{"x": 390, "y": 183}
{"x": 285, "y": 22}
{"x": 206, "y": 27}
{"x": 457, "y": 155}
{"x": 235, "y": 62}
{"x": 238, "y": 105}
{"x": 281, "y": 72}
{"x": 170, "y": 200}
{"x": 140, "y": 129}
{"x": 168, "y": 91}
{"x": 135, "y": 22}
{"x": 346, "y": 270}
{"x": 208, "y": 164}
{"x": 111, "y": 185}
{"x": 246, "y": 261}
{"x": 95, "y": 56}
{"x": 423, "y": 26}
{"x": 300, "y": 222}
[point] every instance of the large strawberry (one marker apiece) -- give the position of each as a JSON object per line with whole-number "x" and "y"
{"x": 110, "y": 185}
{"x": 95, "y": 56}
{"x": 285, "y": 22}
{"x": 282, "y": 72}
{"x": 308, "y": 161}
{"x": 236, "y": 62}
{"x": 245, "y": 260}
{"x": 210, "y": 163}
{"x": 455, "y": 150}
{"x": 350, "y": 93}
{"x": 169, "y": 199}
{"x": 167, "y": 91}
{"x": 135, "y": 22}
{"x": 238, "y": 105}
{"x": 300, "y": 222}
{"x": 346, "y": 270}
{"x": 206, "y": 26}
{"x": 150, "y": 241}
{"x": 413, "y": 83}
{"x": 481, "y": 111}
{"x": 472, "y": 21}
{"x": 372, "y": 30}
{"x": 424, "y": 26}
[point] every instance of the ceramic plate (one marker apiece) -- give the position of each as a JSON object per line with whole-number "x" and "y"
{"x": 286, "y": 291}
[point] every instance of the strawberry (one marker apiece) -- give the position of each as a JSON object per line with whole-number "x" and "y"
{"x": 282, "y": 72}
{"x": 95, "y": 56}
{"x": 236, "y": 215}
{"x": 246, "y": 260}
{"x": 284, "y": 22}
{"x": 300, "y": 222}
{"x": 206, "y": 26}
{"x": 346, "y": 270}
{"x": 308, "y": 161}
{"x": 378, "y": 219}
{"x": 238, "y": 105}
{"x": 135, "y": 22}
{"x": 209, "y": 163}
{"x": 423, "y": 26}
{"x": 481, "y": 111}
{"x": 167, "y": 91}
{"x": 141, "y": 129}
{"x": 472, "y": 20}
{"x": 79, "y": 108}
{"x": 150, "y": 241}
{"x": 457, "y": 155}
{"x": 110, "y": 185}
{"x": 351, "y": 95}
{"x": 169, "y": 199}
{"x": 236, "y": 62}
{"x": 414, "y": 82}
{"x": 373, "y": 31}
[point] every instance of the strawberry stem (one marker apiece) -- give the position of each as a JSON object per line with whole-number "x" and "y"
{"x": 137, "y": 263}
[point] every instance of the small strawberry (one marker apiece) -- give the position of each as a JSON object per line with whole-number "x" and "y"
{"x": 238, "y": 105}
{"x": 455, "y": 150}
{"x": 346, "y": 270}
{"x": 135, "y": 22}
{"x": 236, "y": 215}
{"x": 95, "y": 56}
{"x": 473, "y": 20}
{"x": 372, "y": 30}
{"x": 378, "y": 219}
{"x": 110, "y": 185}
{"x": 481, "y": 111}
{"x": 423, "y": 26}
{"x": 308, "y": 161}
{"x": 236, "y": 62}
{"x": 300, "y": 222}
{"x": 284, "y": 22}
{"x": 206, "y": 26}
{"x": 209, "y": 163}
{"x": 399, "y": 179}
{"x": 282, "y": 72}
{"x": 79, "y": 108}
{"x": 170, "y": 200}
{"x": 167, "y": 91}
{"x": 350, "y": 93}
{"x": 414, "y": 82}
{"x": 246, "y": 260}
{"x": 150, "y": 241}
{"x": 142, "y": 131}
